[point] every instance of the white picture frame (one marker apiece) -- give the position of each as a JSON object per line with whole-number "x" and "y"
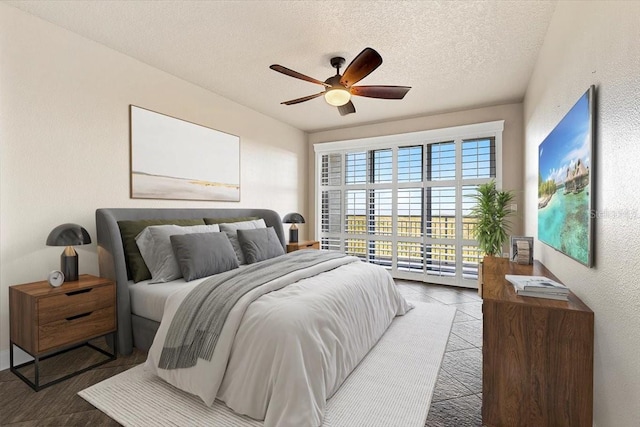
{"x": 179, "y": 160}
{"x": 513, "y": 247}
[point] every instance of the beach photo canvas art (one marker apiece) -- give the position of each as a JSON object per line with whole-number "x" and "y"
{"x": 565, "y": 187}
{"x": 179, "y": 160}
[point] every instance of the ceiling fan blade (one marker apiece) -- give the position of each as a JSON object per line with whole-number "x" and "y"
{"x": 384, "y": 92}
{"x": 299, "y": 100}
{"x": 297, "y": 75}
{"x": 363, "y": 64}
{"x": 347, "y": 108}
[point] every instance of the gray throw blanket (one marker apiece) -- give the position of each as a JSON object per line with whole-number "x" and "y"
{"x": 197, "y": 324}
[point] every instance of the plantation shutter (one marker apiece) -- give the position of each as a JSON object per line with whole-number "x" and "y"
{"x": 404, "y": 202}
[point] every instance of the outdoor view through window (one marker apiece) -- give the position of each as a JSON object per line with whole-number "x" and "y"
{"x": 407, "y": 208}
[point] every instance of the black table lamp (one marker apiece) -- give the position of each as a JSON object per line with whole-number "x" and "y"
{"x": 293, "y": 218}
{"x": 69, "y": 235}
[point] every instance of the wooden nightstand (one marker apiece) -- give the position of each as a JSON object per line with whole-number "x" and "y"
{"x": 309, "y": 244}
{"x": 46, "y": 321}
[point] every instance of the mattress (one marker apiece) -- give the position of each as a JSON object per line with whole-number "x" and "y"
{"x": 148, "y": 299}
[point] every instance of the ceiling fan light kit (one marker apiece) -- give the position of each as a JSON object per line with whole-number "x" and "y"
{"x": 337, "y": 96}
{"x": 339, "y": 88}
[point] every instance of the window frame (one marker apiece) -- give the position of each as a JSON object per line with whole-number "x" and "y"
{"x": 458, "y": 135}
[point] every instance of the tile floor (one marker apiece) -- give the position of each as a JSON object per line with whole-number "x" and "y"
{"x": 457, "y": 399}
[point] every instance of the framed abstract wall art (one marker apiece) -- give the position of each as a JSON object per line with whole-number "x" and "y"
{"x": 565, "y": 182}
{"x": 176, "y": 159}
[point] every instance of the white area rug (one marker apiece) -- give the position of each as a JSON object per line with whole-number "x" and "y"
{"x": 391, "y": 387}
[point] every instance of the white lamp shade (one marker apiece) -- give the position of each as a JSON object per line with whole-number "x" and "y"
{"x": 337, "y": 96}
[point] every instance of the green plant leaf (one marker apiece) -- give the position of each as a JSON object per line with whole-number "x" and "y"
{"x": 491, "y": 212}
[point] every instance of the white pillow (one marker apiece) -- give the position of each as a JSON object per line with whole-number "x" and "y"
{"x": 231, "y": 228}
{"x": 156, "y": 250}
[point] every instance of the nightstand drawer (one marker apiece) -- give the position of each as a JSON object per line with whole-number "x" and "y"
{"x": 76, "y": 328}
{"x": 64, "y": 305}
{"x": 309, "y": 244}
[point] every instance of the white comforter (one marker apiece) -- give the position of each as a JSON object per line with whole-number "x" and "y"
{"x": 280, "y": 357}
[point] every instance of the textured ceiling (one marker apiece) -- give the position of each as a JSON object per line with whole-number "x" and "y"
{"x": 455, "y": 54}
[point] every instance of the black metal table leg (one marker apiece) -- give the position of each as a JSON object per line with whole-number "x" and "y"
{"x": 35, "y": 385}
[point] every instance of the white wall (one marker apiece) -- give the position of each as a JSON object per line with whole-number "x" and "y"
{"x": 512, "y": 144}
{"x": 64, "y": 143}
{"x": 598, "y": 43}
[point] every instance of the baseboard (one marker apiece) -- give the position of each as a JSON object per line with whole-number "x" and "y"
{"x": 19, "y": 357}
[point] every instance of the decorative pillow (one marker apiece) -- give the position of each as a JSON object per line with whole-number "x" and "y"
{"x": 209, "y": 221}
{"x": 232, "y": 233}
{"x": 203, "y": 254}
{"x": 156, "y": 250}
{"x": 136, "y": 268}
{"x": 260, "y": 244}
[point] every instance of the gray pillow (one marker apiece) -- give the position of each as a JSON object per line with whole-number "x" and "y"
{"x": 232, "y": 233}
{"x": 260, "y": 244}
{"x": 203, "y": 254}
{"x": 155, "y": 248}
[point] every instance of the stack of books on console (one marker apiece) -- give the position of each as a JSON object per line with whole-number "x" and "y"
{"x": 538, "y": 287}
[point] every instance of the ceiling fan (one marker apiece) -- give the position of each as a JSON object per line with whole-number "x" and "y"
{"x": 339, "y": 88}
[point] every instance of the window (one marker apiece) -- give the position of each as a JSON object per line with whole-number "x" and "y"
{"x": 441, "y": 161}
{"x": 356, "y": 168}
{"x": 410, "y": 164}
{"x": 381, "y": 166}
{"x": 478, "y": 158}
{"x": 404, "y": 202}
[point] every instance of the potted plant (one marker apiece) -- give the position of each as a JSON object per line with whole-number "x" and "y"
{"x": 493, "y": 207}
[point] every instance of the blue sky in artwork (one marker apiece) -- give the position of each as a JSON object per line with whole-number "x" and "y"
{"x": 568, "y": 141}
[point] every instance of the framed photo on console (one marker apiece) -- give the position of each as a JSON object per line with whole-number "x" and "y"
{"x": 521, "y": 249}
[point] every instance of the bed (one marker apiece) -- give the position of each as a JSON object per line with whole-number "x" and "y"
{"x": 286, "y": 346}
{"x": 133, "y": 330}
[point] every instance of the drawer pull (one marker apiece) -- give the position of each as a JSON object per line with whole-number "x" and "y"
{"x": 79, "y": 316}
{"x": 81, "y": 291}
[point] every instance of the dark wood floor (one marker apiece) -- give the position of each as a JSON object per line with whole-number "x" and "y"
{"x": 59, "y": 405}
{"x": 456, "y": 401}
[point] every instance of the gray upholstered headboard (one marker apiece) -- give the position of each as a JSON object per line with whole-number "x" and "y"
{"x": 111, "y": 252}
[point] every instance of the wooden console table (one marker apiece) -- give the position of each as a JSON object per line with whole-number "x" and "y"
{"x": 537, "y": 354}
